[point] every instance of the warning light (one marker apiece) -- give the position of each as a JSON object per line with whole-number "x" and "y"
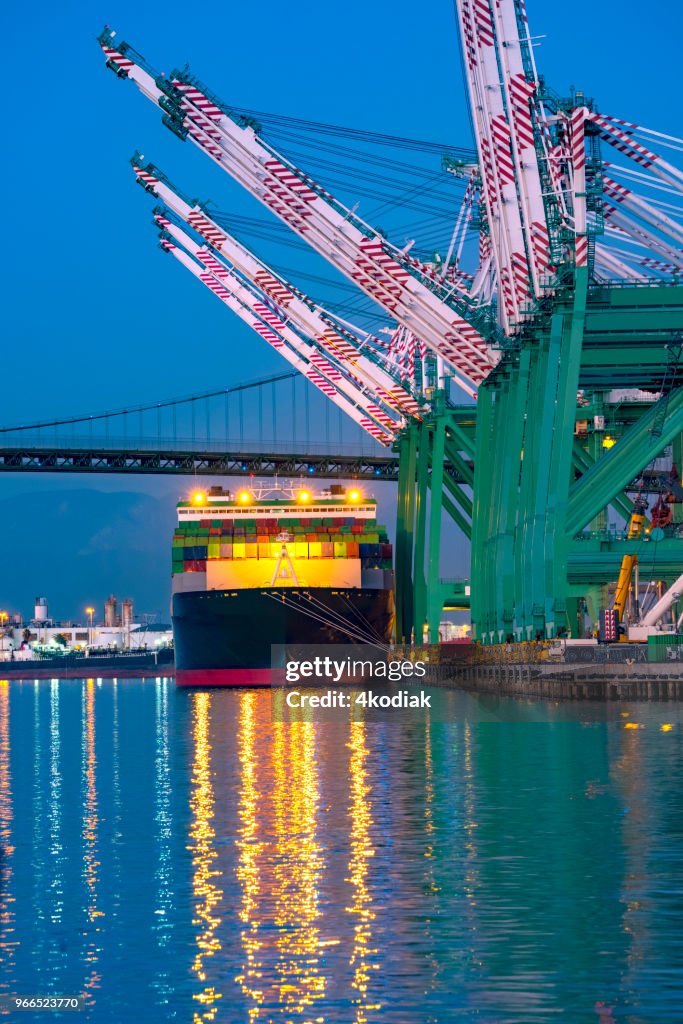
{"x": 303, "y": 497}
{"x": 608, "y": 442}
{"x": 244, "y": 497}
{"x": 353, "y": 495}
{"x": 199, "y": 497}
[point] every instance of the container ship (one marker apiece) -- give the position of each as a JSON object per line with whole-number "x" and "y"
{"x": 275, "y": 566}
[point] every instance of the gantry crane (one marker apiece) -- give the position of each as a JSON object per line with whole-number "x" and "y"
{"x": 566, "y": 256}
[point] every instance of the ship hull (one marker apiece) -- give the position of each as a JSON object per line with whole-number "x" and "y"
{"x": 224, "y": 638}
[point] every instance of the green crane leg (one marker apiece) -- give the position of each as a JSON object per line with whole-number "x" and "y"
{"x": 421, "y": 505}
{"x": 405, "y": 518}
{"x": 529, "y": 533}
{"x": 519, "y": 386}
{"x": 434, "y": 588}
{"x": 556, "y": 541}
{"x": 485, "y": 445}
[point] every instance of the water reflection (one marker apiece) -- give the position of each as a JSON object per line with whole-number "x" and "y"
{"x": 56, "y": 860}
{"x": 364, "y": 956}
{"x": 164, "y": 830}
{"x": 280, "y": 866}
{"x": 202, "y": 845}
{"x": 324, "y": 875}
{"x": 91, "y": 862}
{"x": 298, "y": 870}
{"x": 8, "y": 941}
{"x": 248, "y": 850}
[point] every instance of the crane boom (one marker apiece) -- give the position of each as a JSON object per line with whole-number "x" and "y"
{"x": 642, "y": 234}
{"x": 267, "y": 326}
{"x": 521, "y": 87}
{"x": 408, "y": 290}
{"x": 259, "y": 304}
{"x": 665, "y": 603}
{"x": 635, "y": 528}
{"x": 309, "y": 317}
{"x": 630, "y": 201}
{"x": 492, "y": 133}
{"x": 612, "y": 131}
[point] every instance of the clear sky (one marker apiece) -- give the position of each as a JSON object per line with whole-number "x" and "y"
{"x": 94, "y": 316}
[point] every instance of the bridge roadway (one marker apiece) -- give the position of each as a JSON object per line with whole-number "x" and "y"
{"x": 58, "y": 459}
{"x": 138, "y": 461}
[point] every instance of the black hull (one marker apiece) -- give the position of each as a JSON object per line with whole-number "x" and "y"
{"x": 223, "y": 638}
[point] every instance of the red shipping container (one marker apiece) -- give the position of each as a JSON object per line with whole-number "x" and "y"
{"x": 205, "y": 522}
{"x": 352, "y": 549}
{"x": 357, "y": 529}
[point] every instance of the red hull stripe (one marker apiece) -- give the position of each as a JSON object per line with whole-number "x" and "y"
{"x": 224, "y": 677}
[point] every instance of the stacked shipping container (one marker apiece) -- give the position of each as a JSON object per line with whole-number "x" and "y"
{"x": 195, "y": 543}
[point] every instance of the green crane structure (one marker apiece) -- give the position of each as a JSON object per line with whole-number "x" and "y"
{"x": 539, "y": 553}
{"x": 567, "y": 335}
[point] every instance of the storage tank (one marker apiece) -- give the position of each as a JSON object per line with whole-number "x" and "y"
{"x": 40, "y": 610}
{"x": 110, "y": 611}
{"x": 127, "y": 613}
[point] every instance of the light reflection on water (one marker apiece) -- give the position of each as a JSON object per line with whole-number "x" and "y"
{"x": 364, "y": 956}
{"x": 207, "y": 894}
{"x": 8, "y": 941}
{"x": 176, "y": 856}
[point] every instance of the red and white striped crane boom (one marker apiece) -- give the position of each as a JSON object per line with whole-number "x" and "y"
{"x": 409, "y": 291}
{"x": 314, "y": 323}
{"x": 265, "y": 321}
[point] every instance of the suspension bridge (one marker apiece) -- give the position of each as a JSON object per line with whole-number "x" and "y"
{"x": 258, "y": 428}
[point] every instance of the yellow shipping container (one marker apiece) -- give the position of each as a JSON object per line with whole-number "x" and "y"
{"x": 238, "y": 550}
{"x": 315, "y": 549}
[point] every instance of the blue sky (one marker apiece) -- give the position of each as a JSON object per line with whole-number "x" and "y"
{"x": 94, "y": 315}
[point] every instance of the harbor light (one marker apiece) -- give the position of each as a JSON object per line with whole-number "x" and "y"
{"x": 244, "y": 497}
{"x": 303, "y": 497}
{"x": 353, "y": 495}
{"x": 90, "y": 611}
{"x": 199, "y": 497}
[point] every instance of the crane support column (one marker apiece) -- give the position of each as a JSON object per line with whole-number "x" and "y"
{"x": 405, "y": 522}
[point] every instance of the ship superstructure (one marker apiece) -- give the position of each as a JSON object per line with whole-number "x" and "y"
{"x": 275, "y": 566}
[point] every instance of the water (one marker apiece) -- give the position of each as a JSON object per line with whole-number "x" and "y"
{"x": 174, "y": 856}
